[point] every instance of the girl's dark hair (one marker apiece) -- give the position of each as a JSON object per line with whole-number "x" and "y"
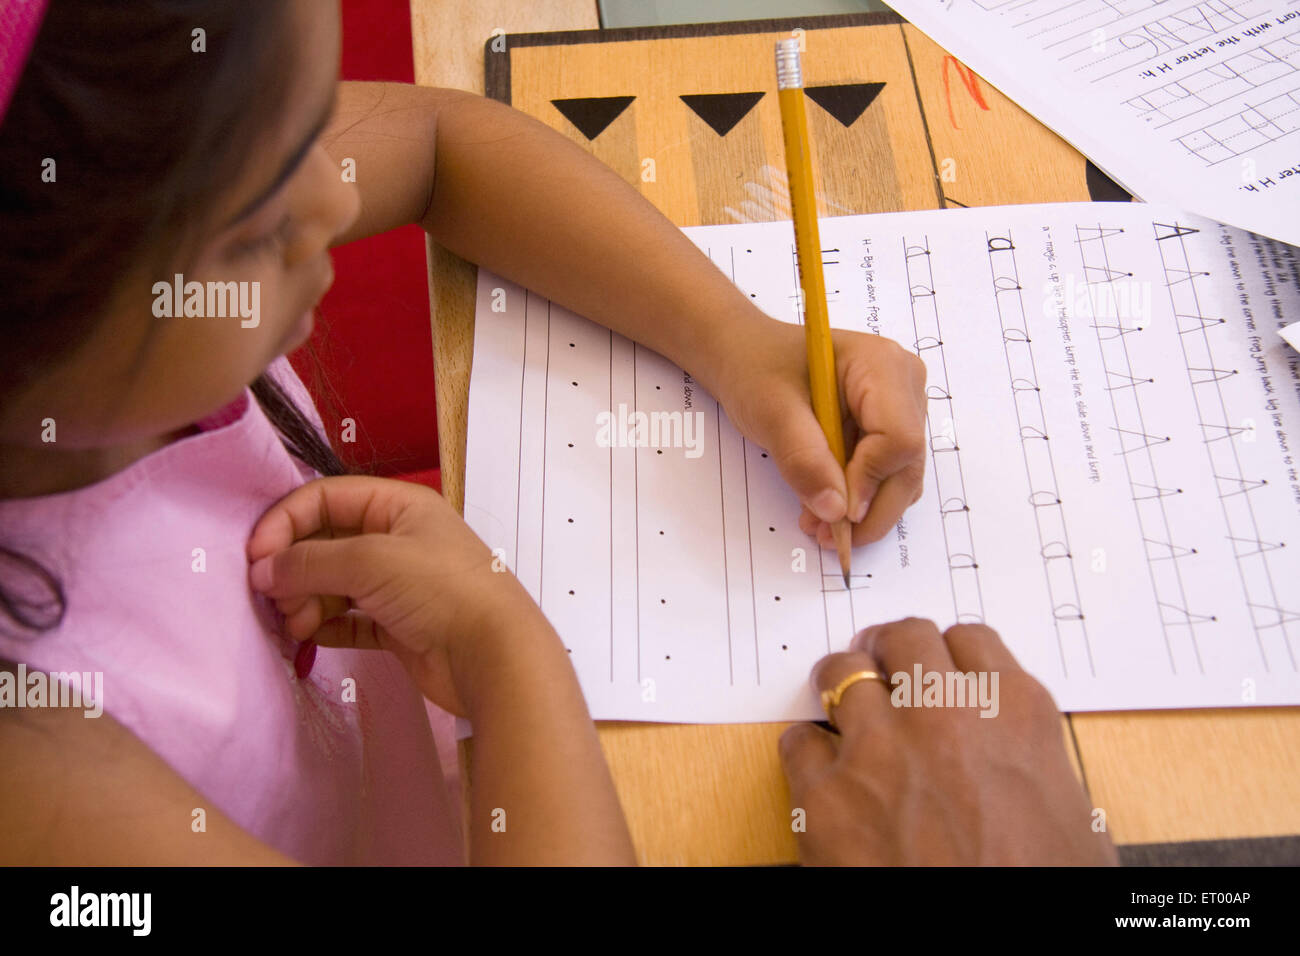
{"x": 141, "y": 133}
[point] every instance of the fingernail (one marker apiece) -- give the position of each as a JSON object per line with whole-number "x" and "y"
{"x": 259, "y": 574}
{"x": 860, "y": 511}
{"x": 828, "y": 505}
{"x": 305, "y": 658}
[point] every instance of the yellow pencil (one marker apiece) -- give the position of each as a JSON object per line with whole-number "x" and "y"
{"x": 817, "y": 328}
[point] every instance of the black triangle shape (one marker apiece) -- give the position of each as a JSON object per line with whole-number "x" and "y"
{"x": 722, "y": 111}
{"x": 845, "y": 101}
{"x": 1101, "y": 188}
{"x": 592, "y": 114}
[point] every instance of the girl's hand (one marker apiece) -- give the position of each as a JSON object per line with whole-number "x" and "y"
{"x": 423, "y": 586}
{"x": 882, "y": 402}
{"x": 355, "y": 561}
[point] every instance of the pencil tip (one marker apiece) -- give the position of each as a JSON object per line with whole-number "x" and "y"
{"x": 844, "y": 546}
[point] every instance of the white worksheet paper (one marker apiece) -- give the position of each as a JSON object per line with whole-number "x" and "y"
{"x": 1191, "y": 103}
{"x": 1110, "y": 481}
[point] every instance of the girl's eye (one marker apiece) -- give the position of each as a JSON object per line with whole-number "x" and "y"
{"x": 273, "y": 241}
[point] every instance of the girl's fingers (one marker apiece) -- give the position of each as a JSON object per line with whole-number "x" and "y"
{"x": 880, "y": 453}
{"x": 291, "y": 606}
{"x": 332, "y": 605}
{"x": 353, "y": 630}
{"x": 359, "y": 631}
{"x": 891, "y": 417}
{"x": 343, "y": 505}
{"x": 894, "y": 496}
{"x": 347, "y": 567}
{"x": 304, "y": 616}
{"x": 304, "y": 622}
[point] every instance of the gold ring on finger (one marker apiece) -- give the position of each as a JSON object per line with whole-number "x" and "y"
{"x": 831, "y": 698}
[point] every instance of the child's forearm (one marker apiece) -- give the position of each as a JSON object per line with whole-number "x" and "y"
{"x": 522, "y": 200}
{"x": 541, "y": 792}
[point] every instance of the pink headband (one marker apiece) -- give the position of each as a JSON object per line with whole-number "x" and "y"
{"x": 19, "y": 22}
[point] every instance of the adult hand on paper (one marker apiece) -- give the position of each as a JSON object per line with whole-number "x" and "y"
{"x": 938, "y": 785}
{"x": 882, "y": 402}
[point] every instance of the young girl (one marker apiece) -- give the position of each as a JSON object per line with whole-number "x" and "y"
{"x": 161, "y": 516}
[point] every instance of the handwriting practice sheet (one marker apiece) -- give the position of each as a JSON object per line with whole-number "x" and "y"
{"x": 1111, "y": 482}
{"x": 1190, "y": 102}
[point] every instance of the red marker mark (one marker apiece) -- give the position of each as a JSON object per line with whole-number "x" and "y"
{"x": 968, "y": 79}
{"x": 304, "y": 659}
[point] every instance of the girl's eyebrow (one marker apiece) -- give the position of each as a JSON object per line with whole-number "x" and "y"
{"x": 294, "y": 161}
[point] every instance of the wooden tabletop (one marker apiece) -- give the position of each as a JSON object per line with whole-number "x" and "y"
{"x": 711, "y": 794}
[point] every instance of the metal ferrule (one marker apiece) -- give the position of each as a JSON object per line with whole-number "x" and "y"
{"x": 789, "y": 74}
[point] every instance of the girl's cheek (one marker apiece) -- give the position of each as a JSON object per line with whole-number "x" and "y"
{"x": 324, "y": 205}
{"x": 308, "y": 242}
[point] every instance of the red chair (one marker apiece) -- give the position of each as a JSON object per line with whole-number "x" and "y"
{"x": 371, "y": 355}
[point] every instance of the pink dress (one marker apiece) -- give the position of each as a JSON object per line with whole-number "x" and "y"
{"x": 194, "y": 665}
